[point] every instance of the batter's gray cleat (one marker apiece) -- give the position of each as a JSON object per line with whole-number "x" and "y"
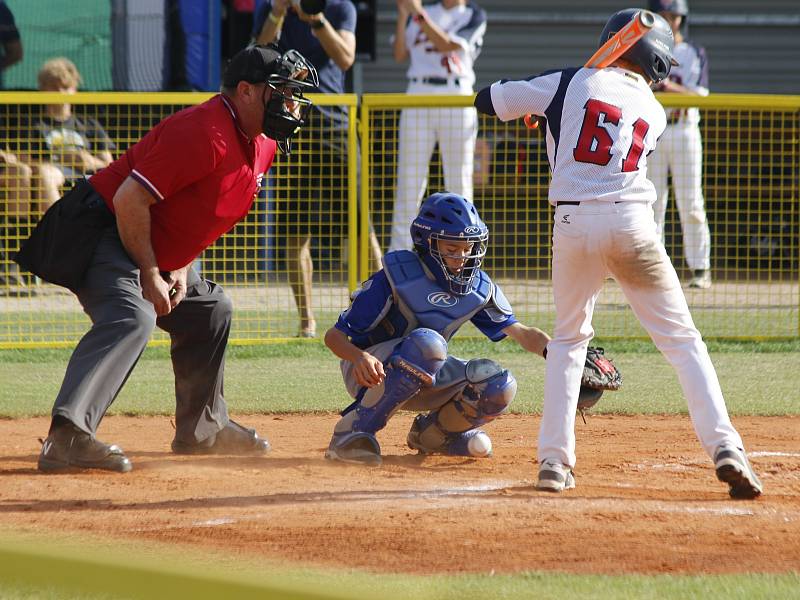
{"x": 554, "y": 476}
{"x": 701, "y": 279}
{"x": 734, "y": 469}
{"x": 231, "y": 439}
{"x": 355, "y": 447}
{"x": 68, "y": 447}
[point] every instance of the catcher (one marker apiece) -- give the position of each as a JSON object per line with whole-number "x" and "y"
{"x": 393, "y": 343}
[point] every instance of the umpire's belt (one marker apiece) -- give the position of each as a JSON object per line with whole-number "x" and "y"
{"x": 436, "y": 80}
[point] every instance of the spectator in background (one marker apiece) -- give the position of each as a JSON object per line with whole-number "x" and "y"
{"x": 15, "y": 177}
{"x": 680, "y": 149}
{"x": 61, "y": 147}
{"x": 238, "y": 20}
{"x": 10, "y": 41}
{"x": 318, "y": 196}
{"x": 442, "y": 42}
{"x": 15, "y": 210}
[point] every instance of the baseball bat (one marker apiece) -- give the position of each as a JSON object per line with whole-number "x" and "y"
{"x": 617, "y": 45}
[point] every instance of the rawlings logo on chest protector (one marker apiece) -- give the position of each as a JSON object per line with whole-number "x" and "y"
{"x": 442, "y": 299}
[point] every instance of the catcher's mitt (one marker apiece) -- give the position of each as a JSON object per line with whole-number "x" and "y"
{"x": 599, "y": 374}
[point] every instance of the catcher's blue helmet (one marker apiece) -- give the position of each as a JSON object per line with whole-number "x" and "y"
{"x": 653, "y": 52}
{"x": 450, "y": 217}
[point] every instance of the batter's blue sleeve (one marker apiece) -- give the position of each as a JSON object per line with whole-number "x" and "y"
{"x": 483, "y": 102}
{"x": 370, "y": 304}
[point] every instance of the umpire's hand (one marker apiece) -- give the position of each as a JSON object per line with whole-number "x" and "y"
{"x": 157, "y": 291}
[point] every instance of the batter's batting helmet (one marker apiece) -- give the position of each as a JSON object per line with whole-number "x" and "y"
{"x": 450, "y": 217}
{"x": 653, "y": 52}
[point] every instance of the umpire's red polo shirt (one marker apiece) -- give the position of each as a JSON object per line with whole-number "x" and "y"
{"x": 203, "y": 171}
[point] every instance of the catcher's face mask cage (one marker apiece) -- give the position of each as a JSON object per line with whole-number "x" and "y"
{"x": 460, "y": 282}
{"x": 286, "y": 109}
{"x": 446, "y": 217}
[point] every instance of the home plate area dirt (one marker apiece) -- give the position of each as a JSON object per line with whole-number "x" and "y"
{"x": 647, "y": 499}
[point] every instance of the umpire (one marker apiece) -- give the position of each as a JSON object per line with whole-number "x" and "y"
{"x": 146, "y": 217}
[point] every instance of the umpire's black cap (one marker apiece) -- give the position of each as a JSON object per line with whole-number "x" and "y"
{"x": 253, "y": 64}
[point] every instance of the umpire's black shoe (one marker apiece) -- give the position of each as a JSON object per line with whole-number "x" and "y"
{"x": 68, "y": 447}
{"x": 231, "y": 439}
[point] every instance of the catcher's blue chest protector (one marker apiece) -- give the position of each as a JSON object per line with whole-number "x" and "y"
{"x": 421, "y": 301}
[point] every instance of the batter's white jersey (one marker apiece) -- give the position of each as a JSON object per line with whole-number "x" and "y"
{"x": 465, "y": 24}
{"x": 601, "y": 125}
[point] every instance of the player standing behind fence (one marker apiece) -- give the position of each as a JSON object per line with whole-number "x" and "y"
{"x": 442, "y": 42}
{"x": 124, "y": 242}
{"x": 680, "y": 149}
{"x": 601, "y": 125}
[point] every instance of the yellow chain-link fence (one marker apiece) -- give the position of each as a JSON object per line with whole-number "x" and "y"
{"x": 749, "y": 181}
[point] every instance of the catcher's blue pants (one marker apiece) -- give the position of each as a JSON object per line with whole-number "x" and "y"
{"x": 122, "y": 322}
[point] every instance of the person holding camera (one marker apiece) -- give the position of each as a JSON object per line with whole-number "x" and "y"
{"x": 324, "y": 32}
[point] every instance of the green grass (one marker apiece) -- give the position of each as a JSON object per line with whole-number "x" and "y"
{"x": 149, "y": 570}
{"x": 765, "y": 322}
{"x": 757, "y": 378}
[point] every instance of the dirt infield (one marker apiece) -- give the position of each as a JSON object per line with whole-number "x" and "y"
{"x": 647, "y": 499}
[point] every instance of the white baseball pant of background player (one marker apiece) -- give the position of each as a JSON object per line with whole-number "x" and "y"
{"x": 680, "y": 151}
{"x": 455, "y": 129}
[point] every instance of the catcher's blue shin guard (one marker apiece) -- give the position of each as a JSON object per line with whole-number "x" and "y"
{"x": 414, "y": 364}
{"x": 453, "y": 429}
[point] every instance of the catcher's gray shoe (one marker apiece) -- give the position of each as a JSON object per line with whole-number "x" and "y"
{"x": 554, "y": 476}
{"x": 356, "y": 447}
{"x": 734, "y": 469}
{"x": 68, "y": 447}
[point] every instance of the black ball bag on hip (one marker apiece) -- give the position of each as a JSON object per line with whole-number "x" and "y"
{"x": 61, "y": 246}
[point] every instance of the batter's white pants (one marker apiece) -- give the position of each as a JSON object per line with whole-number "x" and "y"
{"x": 420, "y": 128}
{"x": 680, "y": 151}
{"x": 591, "y": 241}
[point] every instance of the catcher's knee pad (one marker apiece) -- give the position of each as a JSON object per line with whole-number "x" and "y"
{"x": 488, "y": 393}
{"x": 420, "y": 355}
{"x": 414, "y": 364}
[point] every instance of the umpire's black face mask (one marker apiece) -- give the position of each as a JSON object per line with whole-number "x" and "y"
{"x": 285, "y": 112}
{"x": 286, "y": 109}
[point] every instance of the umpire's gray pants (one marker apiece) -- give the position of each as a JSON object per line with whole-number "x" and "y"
{"x": 122, "y": 322}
